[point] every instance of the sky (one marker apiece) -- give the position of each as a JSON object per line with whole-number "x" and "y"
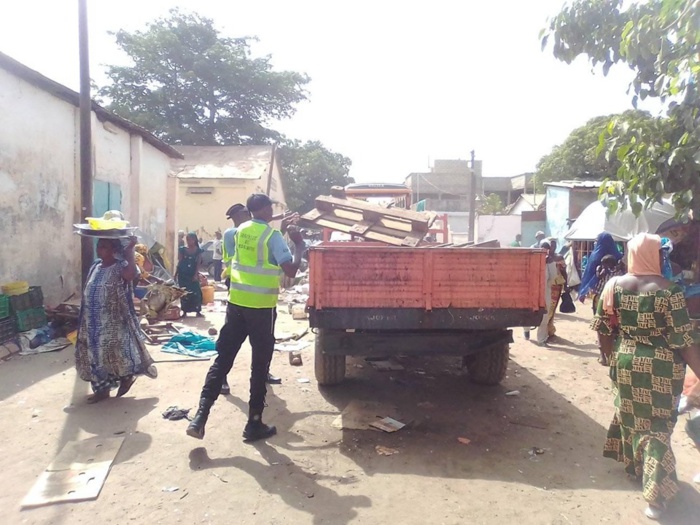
{"x": 394, "y": 84}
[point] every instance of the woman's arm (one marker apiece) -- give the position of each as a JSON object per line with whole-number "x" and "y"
{"x": 691, "y": 355}
{"x": 130, "y": 271}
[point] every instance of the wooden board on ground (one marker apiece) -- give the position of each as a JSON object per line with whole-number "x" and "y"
{"x": 76, "y": 474}
{"x": 159, "y": 332}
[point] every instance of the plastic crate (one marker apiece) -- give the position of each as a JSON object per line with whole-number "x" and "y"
{"x": 34, "y": 298}
{"x": 30, "y": 319}
{"x": 8, "y": 329}
{"x": 4, "y": 306}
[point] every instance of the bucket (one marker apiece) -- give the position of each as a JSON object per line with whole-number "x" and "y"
{"x": 207, "y": 294}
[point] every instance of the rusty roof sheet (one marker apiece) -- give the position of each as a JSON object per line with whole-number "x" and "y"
{"x": 224, "y": 162}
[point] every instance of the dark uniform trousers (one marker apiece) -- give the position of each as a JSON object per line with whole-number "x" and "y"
{"x": 259, "y": 325}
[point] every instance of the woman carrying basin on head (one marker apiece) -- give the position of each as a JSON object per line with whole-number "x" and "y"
{"x": 110, "y": 350}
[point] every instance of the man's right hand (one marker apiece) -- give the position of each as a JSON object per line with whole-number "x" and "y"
{"x": 295, "y": 235}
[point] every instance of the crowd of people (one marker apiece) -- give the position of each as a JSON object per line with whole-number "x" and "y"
{"x": 644, "y": 330}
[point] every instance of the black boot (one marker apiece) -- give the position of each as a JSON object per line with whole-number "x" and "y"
{"x": 196, "y": 426}
{"x": 225, "y": 389}
{"x": 256, "y": 429}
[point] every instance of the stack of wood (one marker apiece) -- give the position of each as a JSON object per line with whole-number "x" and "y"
{"x": 371, "y": 222}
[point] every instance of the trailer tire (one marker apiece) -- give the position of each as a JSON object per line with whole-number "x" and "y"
{"x": 329, "y": 368}
{"x": 488, "y": 367}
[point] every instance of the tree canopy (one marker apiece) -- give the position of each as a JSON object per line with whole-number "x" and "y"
{"x": 659, "y": 41}
{"x": 310, "y": 170}
{"x": 191, "y": 85}
{"x": 491, "y": 205}
{"x": 578, "y": 156}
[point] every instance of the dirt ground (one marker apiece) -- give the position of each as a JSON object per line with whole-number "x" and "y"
{"x": 312, "y": 473}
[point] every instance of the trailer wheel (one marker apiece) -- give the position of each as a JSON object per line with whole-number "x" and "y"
{"x": 488, "y": 367}
{"x": 329, "y": 368}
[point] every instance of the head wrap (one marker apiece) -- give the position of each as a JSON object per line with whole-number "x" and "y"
{"x": 604, "y": 245}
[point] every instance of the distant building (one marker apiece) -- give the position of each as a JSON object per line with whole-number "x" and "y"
{"x": 212, "y": 178}
{"x": 446, "y": 189}
{"x": 526, "y": 203}
{"x": 565, "y": 202}
{"x": 509, "y": 189}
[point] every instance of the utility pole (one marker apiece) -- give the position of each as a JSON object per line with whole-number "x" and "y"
{"x": 86, "y": 252}
{"x": 472, "y": 198}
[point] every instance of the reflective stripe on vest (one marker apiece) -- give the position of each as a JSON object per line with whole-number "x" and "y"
{"x": 254, "y": 281}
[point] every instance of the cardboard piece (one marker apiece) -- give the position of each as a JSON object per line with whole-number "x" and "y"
{"x": 387, "y": 424}
{"x": 76, "y": 474}
{"x": 358, "y": 415}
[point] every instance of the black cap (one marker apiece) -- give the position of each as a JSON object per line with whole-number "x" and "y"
{"x": 257, "y": 201}
{"x": 233, "y": 210}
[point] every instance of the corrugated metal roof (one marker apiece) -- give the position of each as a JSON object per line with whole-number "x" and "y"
{"x": 224, "y": 162}
{"x": 575, "y": 184}
{"x": 66, "y": 94}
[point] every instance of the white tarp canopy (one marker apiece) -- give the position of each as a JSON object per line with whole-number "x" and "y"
{"x": 622, "y": 225}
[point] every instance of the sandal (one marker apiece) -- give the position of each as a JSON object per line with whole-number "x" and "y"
{"x": 98, "y": 396}
{"x": 125, "y": 385}
{"x": 603, "y": 361}
{"x": 653, "y": 513}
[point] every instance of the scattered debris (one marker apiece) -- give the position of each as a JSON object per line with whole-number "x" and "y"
{"x": 174, "y": 413}
{"x": 170, "y": 489}
{"x": 464, "y": 441}
{"x": 212, "y": 331}
{"x": 303, "y": 380}
{"x": 291, "y": 337}
{"x": 535, "y": 451}
{"x": 222, "y": 480}
{"x": 513, "y": 393}
{"x": 387, "y": 424}
{"x": 295, "y": 359}
{"x": 385, "y": 451}
{"x": 358, "y": 415}
{"x": 299, "y": 312}
{"x": 292, "y": 347}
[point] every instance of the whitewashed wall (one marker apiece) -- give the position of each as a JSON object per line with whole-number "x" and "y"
{"x": 40, "y": 181}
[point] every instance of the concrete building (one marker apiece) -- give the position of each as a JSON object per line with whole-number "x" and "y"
{"x": 446, "y": 189}
{"x": 212, "y": 178}
{"x": 509, "y": 188}
{"x": 40, "y": 179}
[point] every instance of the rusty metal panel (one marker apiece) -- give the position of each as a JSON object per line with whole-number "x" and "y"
{"x": 369, "y": 275}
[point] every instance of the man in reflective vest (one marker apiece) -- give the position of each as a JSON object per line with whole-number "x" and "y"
{"x": 260, "y": 256}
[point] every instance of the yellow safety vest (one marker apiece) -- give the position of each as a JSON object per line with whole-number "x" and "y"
{"x": 255, "y": 283}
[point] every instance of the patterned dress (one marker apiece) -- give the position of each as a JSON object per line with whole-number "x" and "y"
{"x": 187, "y": 278}
{"x": 647, "y": 373}
{"x": 110, "y": 345}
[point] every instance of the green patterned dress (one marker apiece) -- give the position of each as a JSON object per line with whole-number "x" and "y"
{"x": 647, "y": 373}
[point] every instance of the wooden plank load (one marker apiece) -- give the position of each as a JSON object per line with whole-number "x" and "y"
{"x": 394, "y": 226}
